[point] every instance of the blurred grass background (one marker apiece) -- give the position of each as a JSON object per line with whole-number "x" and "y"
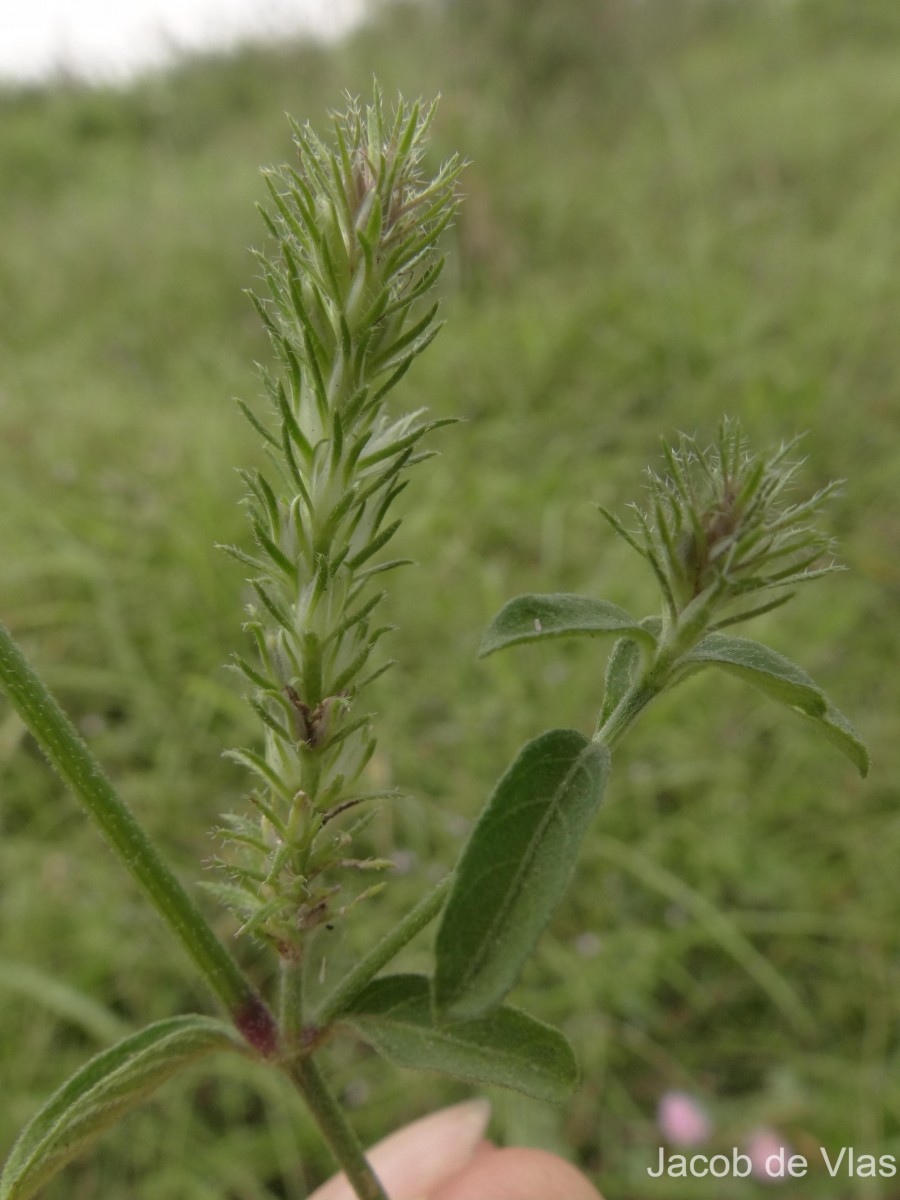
{"x": 675, "y": 209}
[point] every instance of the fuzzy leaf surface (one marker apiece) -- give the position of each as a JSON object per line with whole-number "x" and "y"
{"x": 834, "y": 726}
{"x": 783, "y": 681}
{"x": 507, "y": 1048}
{"x": 623, "y": 662}
{"x": 515, "y": 869}
{"x": 105, "y": 1089}
{"x": 534, "y": 617}
{"x": 755, "y": 663}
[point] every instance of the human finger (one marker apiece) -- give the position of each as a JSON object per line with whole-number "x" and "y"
{"x": 516, "y": 1174}
{"x": 417, "y": 1159}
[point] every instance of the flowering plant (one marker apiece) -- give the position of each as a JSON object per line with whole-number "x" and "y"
{"x": 355, "y": 228}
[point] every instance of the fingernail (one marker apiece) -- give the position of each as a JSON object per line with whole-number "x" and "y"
{"x": 421, "y": 1157}
{"x": 471, "y": 1119}
{"x": 417, "y": 1159}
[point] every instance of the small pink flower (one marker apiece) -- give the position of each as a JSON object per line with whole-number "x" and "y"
{"x": 682, "y": 1121}
{"x": 768, "y": 1154}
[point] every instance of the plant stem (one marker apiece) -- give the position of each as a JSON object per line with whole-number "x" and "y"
{"x": 626, "y": 712}
{"x": 290, "y": 1005}
{"x": 657, "y": 674}
{"x": 73, "y": 761}
{"x": 333, "y": 1125}
{"x": 382, "y": 953}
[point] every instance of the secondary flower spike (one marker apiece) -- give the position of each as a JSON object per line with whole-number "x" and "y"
{"x": 719, "y": 527}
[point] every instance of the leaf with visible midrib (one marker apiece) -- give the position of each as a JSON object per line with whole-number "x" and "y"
{"x": 535, "y": 618}
{"x": 515, "y": 869}
{"x": 755, "y": 662}
{"x": 507, "y": 1048}
{"x": 623, "y": 662}
{"x": 836, "y": 728}
{"x": 783, "y": 681}
{"x": 107, "y": 1087}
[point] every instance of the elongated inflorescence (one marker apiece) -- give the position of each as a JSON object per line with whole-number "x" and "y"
{"x": 355, "y": 226}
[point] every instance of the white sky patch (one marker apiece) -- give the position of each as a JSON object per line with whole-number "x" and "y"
{"x": 115, "y": 39}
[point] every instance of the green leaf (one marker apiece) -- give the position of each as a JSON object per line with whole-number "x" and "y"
{"x": 782, "y": 680}
{"x": 532, "y": 618}
{"x": 754, "y": 662}
{"x": 515, "y": 869}
{"x": 507, "y": 1048}
{"x": 623, "y": 659}
{"x": 106, "y": 1088}
{"x": 834, "y": 726}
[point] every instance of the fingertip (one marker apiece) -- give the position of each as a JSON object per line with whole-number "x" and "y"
{"x": 518, "y": 1174}
{"x": 418, "y": 1158}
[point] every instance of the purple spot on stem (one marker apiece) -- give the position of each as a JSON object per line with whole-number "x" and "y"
{"x": 257, "y": 1025}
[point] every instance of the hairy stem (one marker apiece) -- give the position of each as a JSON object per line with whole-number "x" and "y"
{"x": 290, "y": 1007}
{"x": 626, "y": 712}
{"x": 381, "y": 954}
{"x": 73, "y": 761}
{"x": 333, "y": 1125}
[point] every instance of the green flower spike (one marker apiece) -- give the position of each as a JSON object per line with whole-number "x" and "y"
{"x": 719, "y": 528}
{"x": 356, "y": 226}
